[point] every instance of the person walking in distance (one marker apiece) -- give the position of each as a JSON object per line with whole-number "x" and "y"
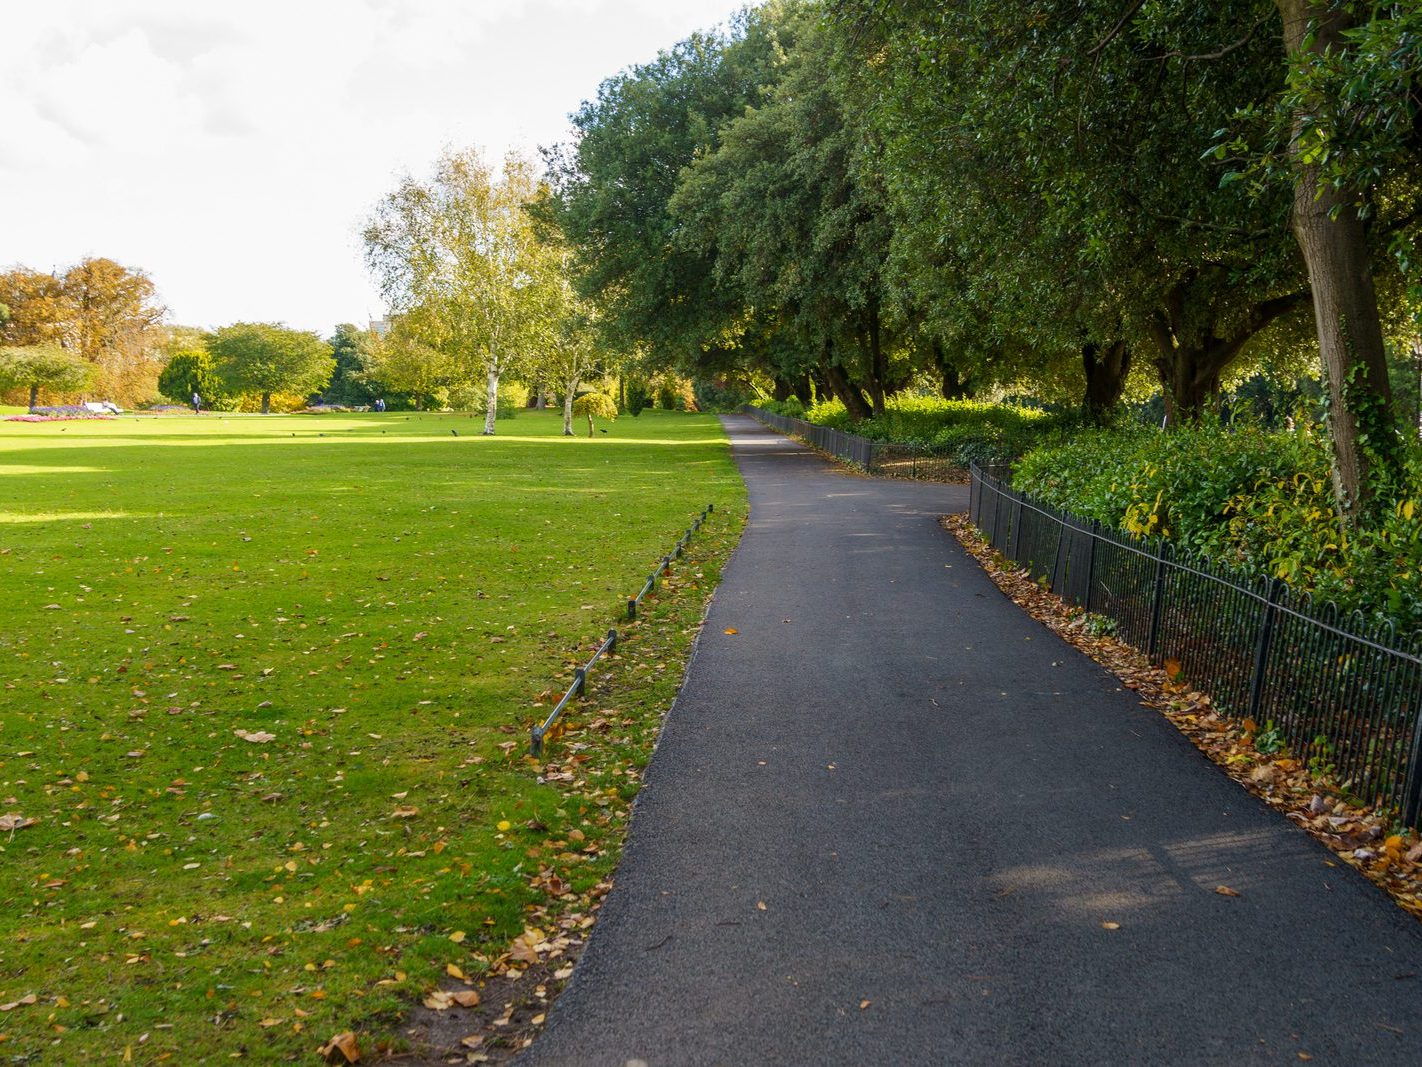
{"x": 197, "y": 403}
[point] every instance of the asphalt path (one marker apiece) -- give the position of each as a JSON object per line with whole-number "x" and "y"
{"x": 890, "y": 818}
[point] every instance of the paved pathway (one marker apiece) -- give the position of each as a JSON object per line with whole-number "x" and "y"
{"x": 888, "y": 818}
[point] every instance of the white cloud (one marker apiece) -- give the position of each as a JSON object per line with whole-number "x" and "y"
{"x": 233, "y": 151}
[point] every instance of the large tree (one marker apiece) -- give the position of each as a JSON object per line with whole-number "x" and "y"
{"x": 264, "y": 358}
{"x": 1352, "y": 106}
{"x": 1046, "y": 159}
{"x": 459, "y": 260}
{"x": 48, "y": 367}
{"x": 106, "y": 313}
{"x": 614, "y": 185}
{"x": 792, "y": 208}
{"x": 351, "y": 347}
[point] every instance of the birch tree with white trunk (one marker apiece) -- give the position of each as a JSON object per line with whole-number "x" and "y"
{"x": 460, "y": 264}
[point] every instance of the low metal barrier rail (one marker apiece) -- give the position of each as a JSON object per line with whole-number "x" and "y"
{"x": 609, "y": 644}
{"x": 848, "y": 446}
{"x": 1341, "y": 690}
{"x": 651, "y": 583}
{"x": 891, "y": 459}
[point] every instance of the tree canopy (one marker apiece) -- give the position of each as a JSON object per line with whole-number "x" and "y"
{"x": 48, "y": 367}
{"x": 265, "y": 358}
{"x": 1061, "y": 196}
{"x": 460, "y": 262}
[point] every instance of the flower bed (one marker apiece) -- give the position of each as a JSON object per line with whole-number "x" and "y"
{"x": 62, "y": 413}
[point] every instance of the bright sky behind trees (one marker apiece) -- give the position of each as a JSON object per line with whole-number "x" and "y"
{"x": 234, "y": 151}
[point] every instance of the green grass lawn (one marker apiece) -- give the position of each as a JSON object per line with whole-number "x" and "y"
{"x": 267, "y": 685}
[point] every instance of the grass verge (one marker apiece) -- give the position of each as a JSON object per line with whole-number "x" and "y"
{"x": 267, "y": 685}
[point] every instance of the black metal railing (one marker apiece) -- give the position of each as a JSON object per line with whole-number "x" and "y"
{"x": 666, "y": 561}
{"x": 1342, "y": 692}
{"x": 886, "y": 458}
{"x": 580, "y": 674}
{"x": 578, "y": 688}
{"x": 847, "y": 446}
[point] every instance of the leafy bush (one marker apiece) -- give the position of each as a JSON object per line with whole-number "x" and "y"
{"x": 966, "y": 431}
{"x": 721, "y": 394}
{"x": 637, "y": 397}
{"x": 1258, "y": 501}
{"x": 793, "y": 408}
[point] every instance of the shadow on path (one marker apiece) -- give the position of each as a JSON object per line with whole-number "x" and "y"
{"x": 887, "y": 819}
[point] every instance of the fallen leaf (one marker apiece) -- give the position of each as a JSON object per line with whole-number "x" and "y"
{"x": 439, "y": 1000}
{"x": 404, "y": 813}
{"x": 1110, "y": 926}
{"x": 27, "y": 999}
{"x": 457, "y": 937}
{"x": 730, "y": 630}
{"x": 342, "y": 1046}
{"x": 256, "y": 737}
{"x": 15, "y": 821}
{"x": 465, "y": 998}
{"x": 864, "y": 1004}
{"x": 504, "y": 825}
{"x": 760, "y": 905}
{"x": 1226, "y": 891}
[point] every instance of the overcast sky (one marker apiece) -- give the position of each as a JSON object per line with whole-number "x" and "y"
{"x": 233, "y": 150}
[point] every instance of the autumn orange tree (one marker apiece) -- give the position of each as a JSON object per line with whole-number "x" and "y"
{"x": 100, "y": 311}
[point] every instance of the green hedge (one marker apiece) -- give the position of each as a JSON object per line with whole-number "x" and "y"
{"x": 967, "y": 431}
{"x": 1258, "y": 501}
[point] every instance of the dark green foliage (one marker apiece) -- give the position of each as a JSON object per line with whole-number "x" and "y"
{"x": 637, "y": 397}
{"x": 189, "y": 372}
{"x": 968, "y": 431}
{"x": 721, "y": 394}
{"x": 1258, "y": 501}
{"x": 262, "y": 358}
{"x": 348, "y": 384}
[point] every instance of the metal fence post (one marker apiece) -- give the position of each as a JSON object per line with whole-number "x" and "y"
{"x": 1057, "y": 561}
{"x": 1261, "y": 651}
{"x": 1090, "y": 564}
{"x": 1158, "y": 598}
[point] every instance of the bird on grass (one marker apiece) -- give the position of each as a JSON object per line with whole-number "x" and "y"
{"x": 454, "y": 432}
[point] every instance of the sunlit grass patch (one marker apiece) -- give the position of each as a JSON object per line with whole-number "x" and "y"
{"x": 266, "y": 698}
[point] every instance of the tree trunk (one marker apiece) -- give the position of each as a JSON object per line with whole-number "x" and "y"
{"x": 780, "y": 390}
{"x": 34, "y": 397}
{"x": 492, "y": 399}
{"x": 568, "y": 395}
{"x": 1335, "y": 250}
{"x": 590, "y": 426}
{"x": 878, "y": 365}
{"x": 953, "y": 385}
{"x": 1106, "y": 369}
{"x": 801, "y": 388}
{"x": 849, "y": 393}
{"x": 266, "y": 403}
{"x": 1191, "y": 362}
